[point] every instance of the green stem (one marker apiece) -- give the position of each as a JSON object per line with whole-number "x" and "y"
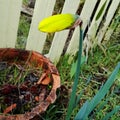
{"x": 74, "y": 88}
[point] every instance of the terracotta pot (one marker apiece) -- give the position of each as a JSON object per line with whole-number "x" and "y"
{"x": 9, "y": 55}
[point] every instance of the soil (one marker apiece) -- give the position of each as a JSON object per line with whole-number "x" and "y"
{"x": 19, "y": 91}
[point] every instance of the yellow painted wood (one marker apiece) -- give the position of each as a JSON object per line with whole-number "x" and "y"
{"x": 36, "y": 39}
{"x": 9, "y": 20}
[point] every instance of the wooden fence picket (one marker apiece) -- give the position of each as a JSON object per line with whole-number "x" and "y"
{"x": 36, "y": 39}
{"x": 60, "y": 38}
{"x": 9, "y": 20}
{"x": 89, "y": 40}
{"x": 109, "y": 16}
{"x": 85, "y": 17}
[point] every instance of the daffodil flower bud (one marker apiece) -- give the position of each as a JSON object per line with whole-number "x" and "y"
{"x": 59, "y": 22}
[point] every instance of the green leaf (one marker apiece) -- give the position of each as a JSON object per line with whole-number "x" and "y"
{"x": 78, "y": 98}
{"x": 74, "y": 66}
{"x": 81, "y": 115}
{"x": 73, "y": 69}
{"x": 115, "y": 110}
{"x": 74, "y": 88}
{"x": 88, "y": 79}
{"x": 101, "y": 11}
{"x": 102, "y": 105}
{"x": 99, "y": 96}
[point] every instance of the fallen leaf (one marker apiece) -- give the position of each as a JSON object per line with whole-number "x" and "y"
{"x": 10, "y": 108}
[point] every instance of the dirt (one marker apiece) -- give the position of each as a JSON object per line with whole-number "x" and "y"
{"x": 19, "y": 91}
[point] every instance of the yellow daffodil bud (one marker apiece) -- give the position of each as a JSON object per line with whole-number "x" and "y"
{"x": 57, "y": 23}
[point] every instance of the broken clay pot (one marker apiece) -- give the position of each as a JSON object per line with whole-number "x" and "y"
{"x": 10, "y": 55}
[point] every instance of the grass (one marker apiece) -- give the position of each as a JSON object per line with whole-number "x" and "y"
{"x": 25, "y": 2}
{"x": 23, "y": 31}
{"x": 98, "y": 68}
